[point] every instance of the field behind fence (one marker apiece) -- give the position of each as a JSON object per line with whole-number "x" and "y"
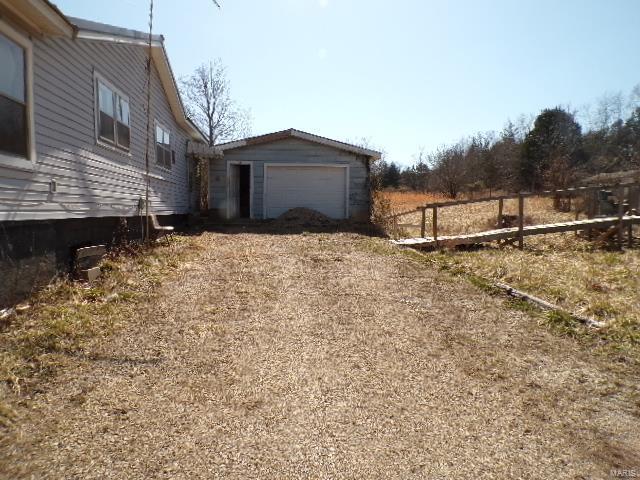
{"x": 473, "y": 217}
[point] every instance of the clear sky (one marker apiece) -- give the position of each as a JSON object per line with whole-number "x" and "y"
{"x": 404, "y": 74}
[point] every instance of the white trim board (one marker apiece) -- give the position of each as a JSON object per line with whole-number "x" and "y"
{"x": 334, "y": 165}
{"x": 251, "y": 190}
{"x": 105, "y": 37}
{"x": 39, "y": 17}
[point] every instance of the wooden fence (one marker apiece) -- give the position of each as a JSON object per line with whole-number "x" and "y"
{"x": 591, "y": 209}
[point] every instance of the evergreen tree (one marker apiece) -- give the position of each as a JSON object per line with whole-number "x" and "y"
{"x": 556, "y": 140}
{"x": 391, "y": 177}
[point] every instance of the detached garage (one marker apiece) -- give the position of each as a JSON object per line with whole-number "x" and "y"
{"x": 263, "y": 177}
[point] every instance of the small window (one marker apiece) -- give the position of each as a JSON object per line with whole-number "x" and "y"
{"x": 14, "y": 124}
{"x": 113, "y": 122}
{"x": 163, "y": 147}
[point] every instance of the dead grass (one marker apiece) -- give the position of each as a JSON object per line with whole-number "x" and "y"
{"x": 475, "y": 217}
{"x": 406, "y": 200}
{"x": 326, "y": 355}
{"x": 60, "y": 319}
{"x": 562, "y": 268}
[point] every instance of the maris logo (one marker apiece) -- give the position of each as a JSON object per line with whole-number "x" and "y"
{"x": 625, "y": 473}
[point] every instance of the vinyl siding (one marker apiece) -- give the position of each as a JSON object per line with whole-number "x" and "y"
{"x": 290, "y": 150}
{"x": 92, "y": 180}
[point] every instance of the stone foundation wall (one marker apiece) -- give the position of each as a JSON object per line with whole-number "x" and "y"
{"x": 33, "y": 253}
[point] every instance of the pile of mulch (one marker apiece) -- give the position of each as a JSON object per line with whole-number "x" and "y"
{"x": 304, "y": 217}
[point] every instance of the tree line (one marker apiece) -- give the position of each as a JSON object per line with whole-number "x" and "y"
{"x": 551, "y": 151}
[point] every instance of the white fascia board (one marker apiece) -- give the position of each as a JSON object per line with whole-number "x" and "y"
{"x": 39, "y": 16}
{"x": 106, "y": 37}
{"x": 335, "y": 144}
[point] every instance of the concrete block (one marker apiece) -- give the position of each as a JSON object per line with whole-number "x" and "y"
{"x": 90, "y": 274}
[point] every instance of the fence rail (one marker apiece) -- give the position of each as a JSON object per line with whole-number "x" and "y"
{"x": 518, "y": 233}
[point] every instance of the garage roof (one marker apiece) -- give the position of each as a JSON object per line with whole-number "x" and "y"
{"x": 293, "y": 133}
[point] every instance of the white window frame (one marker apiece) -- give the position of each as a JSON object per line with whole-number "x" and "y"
{"x": 97, "y": 77}
{"x": 7, "y": 159}
{"x": 161, "y": 125}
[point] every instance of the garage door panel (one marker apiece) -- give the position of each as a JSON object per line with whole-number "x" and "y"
{"x": 321, "y": 188}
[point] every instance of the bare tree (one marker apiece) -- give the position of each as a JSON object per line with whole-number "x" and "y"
{"x": 609, "y": 108}
{"x": 633, "y": 102}
{"x": 208, "y": 102}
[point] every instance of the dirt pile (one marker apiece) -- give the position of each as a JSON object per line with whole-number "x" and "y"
{"x": 303, "y": 217}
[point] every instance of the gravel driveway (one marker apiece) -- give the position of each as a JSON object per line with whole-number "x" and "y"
{"x": 329, "y": 356}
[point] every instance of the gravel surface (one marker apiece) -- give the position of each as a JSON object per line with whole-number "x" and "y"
{"x": 328, "y": 356}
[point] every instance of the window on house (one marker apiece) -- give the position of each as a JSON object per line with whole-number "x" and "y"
{"x": 164, "y": 155}
{"x": 113, "y": 120}
{"x": 122, "y": 121}
{"x": 14, "y": 124}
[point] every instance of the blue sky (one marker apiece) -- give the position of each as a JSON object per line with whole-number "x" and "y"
{"x": 404, "y": 74}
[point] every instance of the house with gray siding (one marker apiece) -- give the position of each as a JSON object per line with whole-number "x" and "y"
{"x": 262, "y": 177}
{"x": 75, "y": 170}
{"x": 73, "y": 132}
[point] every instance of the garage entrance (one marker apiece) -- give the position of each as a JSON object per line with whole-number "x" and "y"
{"x": 318, "y": 187}
{"x": 290, "y": 169}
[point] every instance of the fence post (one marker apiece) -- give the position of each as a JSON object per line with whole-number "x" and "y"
{"x": 435, "y": 225}
{"x": 631, "y": 197}
{"x": 577, "y": 215}
{"x": 620, "y": 195}
{"x": 500, "y": 209}
{"x": 520, "y": 221}
{"x": 423, "y": 225}
{"x": 591, "y": 197}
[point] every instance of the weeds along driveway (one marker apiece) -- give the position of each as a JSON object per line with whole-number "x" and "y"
{"x": 328, "y": 356}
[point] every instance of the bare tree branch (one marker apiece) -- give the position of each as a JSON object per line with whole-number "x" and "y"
{"x": 208, "y": 102}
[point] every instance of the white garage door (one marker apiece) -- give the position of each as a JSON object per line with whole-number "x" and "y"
{"x": 321, "y": 188}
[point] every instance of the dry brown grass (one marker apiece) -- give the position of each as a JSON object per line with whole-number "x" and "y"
{"x": 469, "y": 218}
{"x": 562, "y": 268}
{"x": 326, "y": 356}
{"x": 406, "y": 200}
{"x": 66, "y": 315}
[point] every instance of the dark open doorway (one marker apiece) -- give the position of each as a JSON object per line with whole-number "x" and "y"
{"x": 239, "y": 191}
{"x": 244, "y": 190}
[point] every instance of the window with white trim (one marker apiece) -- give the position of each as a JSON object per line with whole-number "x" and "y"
{"x": 113, "y": 122}
{"x": 16, "y": 102}
{"x": 165, "y": 157}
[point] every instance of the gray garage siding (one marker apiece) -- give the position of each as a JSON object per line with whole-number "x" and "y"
{"x": 92, "y": 181}
{"x": 290, "y": 150}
